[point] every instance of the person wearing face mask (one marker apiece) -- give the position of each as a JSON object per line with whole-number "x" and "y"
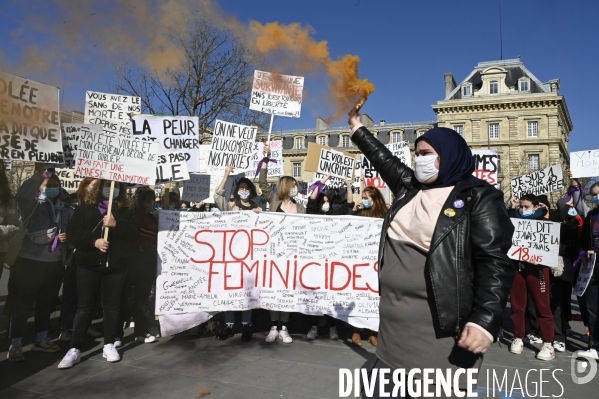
{"x": 281, "y": 201}
{"x": 590, "y": 244}
{"x": 243, "y": 195}
{"x": 40, "y": 267}
{"x": 444, "y": 273}
{"x": 532, "y": 278}
{"x": 100, "y": 263}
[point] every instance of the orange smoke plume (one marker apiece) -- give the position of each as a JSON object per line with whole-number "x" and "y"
{"x": 296, "y": 49}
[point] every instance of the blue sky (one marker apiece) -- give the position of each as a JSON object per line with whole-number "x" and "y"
{"x": 406, "y": 46}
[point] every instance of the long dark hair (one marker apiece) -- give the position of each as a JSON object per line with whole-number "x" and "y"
{"x": 379, "y": 207}
{"x": 5, "y": 194}
{"x": 251, "y": 186}
{"x": 94, "y": 195}
{"x": 140, "y": 198}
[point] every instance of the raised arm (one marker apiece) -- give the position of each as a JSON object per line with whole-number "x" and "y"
{"x": 262, "y": 181}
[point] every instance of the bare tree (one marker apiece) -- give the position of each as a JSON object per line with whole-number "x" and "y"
{"x": 19, "y": 172}
{"x": 214, "y": 79}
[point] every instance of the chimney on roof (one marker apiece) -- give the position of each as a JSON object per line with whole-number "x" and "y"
{"x": 450, "y": 83}
{"x": 382, "y": 122}
{"x": 321, "y": 125}
{"x": 366, "y": 120}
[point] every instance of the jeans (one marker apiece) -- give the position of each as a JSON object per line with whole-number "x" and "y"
{"x": 246, "y": 316}
{"x": 88, "y": 281}
{"x": 591, "y": 297}
{"x": 69, "y": 299}
{"x": 38, "y": 282}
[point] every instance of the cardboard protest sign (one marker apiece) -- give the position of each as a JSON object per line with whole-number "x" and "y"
{"x": 232, "y": 145}
{"x": 539, "y": 182}
{"x": 275, "y": 166}
{"x": 584, "y": 163}
{"x": 111, "y": 111}
{"x": 171, "y": 166}
{"x": 312, "y": 161}
{"x": 486, "y": 166}
{"x": 196, "y": 189}
{"x": 402, "y": 151}
{"x": 584, "y": 276}
{"x": 68, "y": 179}
{"x": 535, "y": 240}
{"x": 336, "y": 163}
{"x": 103, "y": 155}
{"x": 29, "y": 120}
{"x": 370, "y": 174}
{"x": 277, "y": 94}
{"x": 173, "y": 134}
{"x": 276, "y": 261}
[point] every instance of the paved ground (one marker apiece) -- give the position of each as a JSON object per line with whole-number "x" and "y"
{"x": 183, "y": 367}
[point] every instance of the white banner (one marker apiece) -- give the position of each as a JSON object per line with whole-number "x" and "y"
{"x": 584, "y": 276}
{"x": 274, "y": 168}
{"x": 535, "y": 241}
{"x": 540, "y": 182}
{"x": 107, "y": 156}
{"x": 486, "y": 166}
{"x": 336, "y": 163}
{"x": 196, "y": 189}
{"x": 584, "y": 163}
{"x": 232, "y": 145}
{"x": 70, "y": 140}
{"x": 277, "y": 94}
{"x": 171, "y": 166}
{"x": 402, "y": 151}
{"x": 242, "y": 260}
{"x": 111, "y": 111}
{"x": 29, "y": 120}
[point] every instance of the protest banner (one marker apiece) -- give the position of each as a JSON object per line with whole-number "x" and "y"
{"x": 313, "y": 156}
{"x": 7, "y": 164}
{"x": 486, "y": 166}
{"x": 370, "y": 174}
{"x": 29, "y": 120}
{"x": 584, "y": 276}
{"x": 68, "y": 180}
{"x": 402, "y": 151}
{"x": 584, "y": 163}
{"x": 275, "y": 166}
{"x": 539, "y": 182}
{"x": 173, "y": 134}
{"x": 196, "y": 189}
{"x": 242, "y": 260}
{"x": 204, "y": 154}
{"x": 336, "y": 163}
{"x": 103, "y": 155}
{"x": 171, "y": 166}
{"x": 535, "y": 241}
{"x": 70, "y": 139}
{"x": 111, "y": 111}
{"x": 277, "y": 94}
{"x": 232, "y": 145}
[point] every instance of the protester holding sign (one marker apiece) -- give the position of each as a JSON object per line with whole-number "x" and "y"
{"x": 100, "y": 263}
{"x": 9, "y": 217}
{"x": 281, "y": 201}
{"x": 39, "y": 267}
{"x": 590, "y": 243}
{"x": 440, "y": 207}
{"x": 532, "y": 278}
{"x": 320, "y": 203}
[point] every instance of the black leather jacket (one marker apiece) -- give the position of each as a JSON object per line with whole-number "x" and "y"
{"x": 470, "y": 272}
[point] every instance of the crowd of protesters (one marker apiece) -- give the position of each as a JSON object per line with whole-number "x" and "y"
{"x": 63, "y": 244}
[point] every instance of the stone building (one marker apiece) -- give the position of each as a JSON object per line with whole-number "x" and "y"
{"x": 502, "y": 106}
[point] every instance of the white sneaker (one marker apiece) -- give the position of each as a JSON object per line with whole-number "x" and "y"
{"x": 592, "y": 353}
{"x": 72, "y": 357}
{"x": 118, "y": 342}
{"x": 284, "y": 335}
{"x": 517, "y": 346}
{"x": 547, "y": 352}
{"x": 146, "y": 339}
{"x": 532, "y": 339}
{"x": 559, "y": 346}
{"x": 333, "y": 333}
{"x": 272, "y": 335}
{"x": 313, "y": 333}
{"x": 111, "y": 354}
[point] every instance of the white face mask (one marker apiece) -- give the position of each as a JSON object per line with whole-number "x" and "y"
{"x": 243, "y": 194}
{"x": 325, "y": 207}
{"x": 425, "y": 168}
{"x": 293, "y": 192}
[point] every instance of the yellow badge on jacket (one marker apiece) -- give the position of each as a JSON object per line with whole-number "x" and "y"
{"x": 449, "y": 212}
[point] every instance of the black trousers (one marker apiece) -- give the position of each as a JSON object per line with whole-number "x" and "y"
{"x": 111, "y": 283}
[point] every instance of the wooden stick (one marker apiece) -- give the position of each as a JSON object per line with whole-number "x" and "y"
{"x": 272, "y": 117}
{"x": 109, "y": 208}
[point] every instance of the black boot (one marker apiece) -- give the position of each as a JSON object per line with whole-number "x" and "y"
{"x": 224, "y": 333}
{"x": 246, "y": 332}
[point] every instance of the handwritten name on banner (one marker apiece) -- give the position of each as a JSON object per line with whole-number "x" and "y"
{"x": 197, "y": 188}
{"x": 486, "y": 166}
{"x": 584, "y": 276}
{"x": 173, "y": 134}
{"x": 288, "y": 262}
{"x": 29, "y": 120}
{"x": 115, "y": 157}
{"x": 171, "y": 166}
{"x": 276, "y": 153}
{"x": 111, "y": 111}
{"x": 232, "y": 145}
{"x": 336, "y": 163}
{"x": 535, "y": 240}
{"x": 540, "y": 182}
{"x": 277, "y": 94}
{"x": 584, "y": 163}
